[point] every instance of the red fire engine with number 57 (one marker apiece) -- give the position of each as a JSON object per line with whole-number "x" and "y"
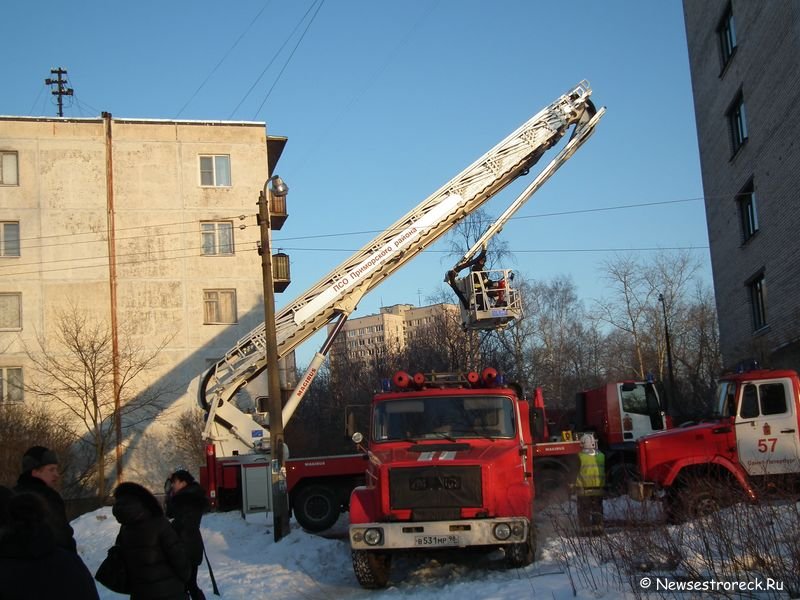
{"x": 749, "y": 445}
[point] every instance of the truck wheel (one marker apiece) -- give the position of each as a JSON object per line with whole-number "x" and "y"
{"x": 372, "y": 568}
{"x": 698, "y": 498}
{"x": 619, "y": 475}
{"x": 315, "y": 508}
{"x": 521, "y": 555}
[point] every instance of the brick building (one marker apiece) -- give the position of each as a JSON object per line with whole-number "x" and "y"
{"x": 745, "y": 69}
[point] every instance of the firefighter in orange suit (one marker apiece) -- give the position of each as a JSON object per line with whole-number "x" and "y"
{"x": 589, "y": 486}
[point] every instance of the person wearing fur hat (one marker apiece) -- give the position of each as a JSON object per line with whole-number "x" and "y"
{"x": 186, "y": 503}
{"x": 40, "y": 476}
{"x": 155, "y": 558}
{"x": 31, "y": 564}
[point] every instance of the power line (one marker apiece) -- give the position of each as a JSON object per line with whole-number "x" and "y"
{"x": 243, "y": 248}
{"x": 370, "y": 80}
{"x": 214, "y": 70}
{"x": 105, "y": 264}
{"x": 288, "y": 60}
{"x": 273, "y": 59}
{"x": 149, "y": 226}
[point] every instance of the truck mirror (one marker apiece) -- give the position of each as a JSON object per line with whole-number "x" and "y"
{"x": 357, "y": 437}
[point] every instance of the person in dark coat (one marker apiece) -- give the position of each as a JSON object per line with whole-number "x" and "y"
{"x": 154, "y": 556}
{"x": 186, "y": 503}
{"x": 40, "y": 476}
{"x": 31, "y": 564}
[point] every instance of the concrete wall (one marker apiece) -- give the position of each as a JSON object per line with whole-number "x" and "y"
{"x": 62, "y": 204}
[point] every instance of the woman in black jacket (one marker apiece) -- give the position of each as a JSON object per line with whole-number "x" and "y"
{"x": 155, "y": 559}
{"x": 186, "y": 503}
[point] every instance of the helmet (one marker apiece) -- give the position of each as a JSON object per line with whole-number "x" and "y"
{"x": 588, "y": 442}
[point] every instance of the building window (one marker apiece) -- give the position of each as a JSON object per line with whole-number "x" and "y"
{"x": 9, "y": 173}
{"x": 219, "y": 307}
{"x": 758, "y": 301}
{"x": 215, "y": 170}
{"x": 726, "y": 32}
{"x": 9, "y": 239}
{"x": 10, "y": 384}
{"x": 748, "y": 215}
{"x": 737, "y": 121}
{"x": 11, "y": 311}
{"x": 216, "y": 237}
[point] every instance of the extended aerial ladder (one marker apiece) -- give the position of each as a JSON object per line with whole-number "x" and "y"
{"x": 337, "y": 294}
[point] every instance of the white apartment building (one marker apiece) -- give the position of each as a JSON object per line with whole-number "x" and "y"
{"x": 150, "y": 224}
{"x": 371, "y": 336}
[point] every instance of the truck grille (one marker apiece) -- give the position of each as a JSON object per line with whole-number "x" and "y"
{"x": 435, "y": 487}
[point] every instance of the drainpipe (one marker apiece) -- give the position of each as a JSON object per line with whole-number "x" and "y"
{"x": 112, "y": 281}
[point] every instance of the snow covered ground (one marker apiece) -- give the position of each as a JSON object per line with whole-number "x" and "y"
{"x": 249, "y": 565}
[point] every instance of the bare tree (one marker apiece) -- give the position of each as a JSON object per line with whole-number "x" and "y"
{"x": 74, "y": 371}
{"x": 22, "y": 426}
{"x": 186, "y": 438}
{"x": 627, "y": 309}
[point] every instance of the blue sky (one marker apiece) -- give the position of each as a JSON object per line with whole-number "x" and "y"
{"x": 383, "y": 102}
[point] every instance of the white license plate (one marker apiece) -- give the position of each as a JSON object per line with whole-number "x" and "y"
{"x": 436, "y": 540}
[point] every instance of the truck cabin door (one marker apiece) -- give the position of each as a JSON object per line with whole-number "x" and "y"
{"x": 766, "y": 428}
{"x": 640, "y": 409}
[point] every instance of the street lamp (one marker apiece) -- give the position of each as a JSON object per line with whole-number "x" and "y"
{"x": 669, "y": 348}
{"x": 274, "y": 189}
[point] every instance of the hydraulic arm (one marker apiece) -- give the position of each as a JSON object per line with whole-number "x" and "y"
{"x": 338, "y": 293}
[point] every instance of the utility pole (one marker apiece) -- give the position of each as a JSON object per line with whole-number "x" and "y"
{"x": 274, "y": 187}
{"x": 669, "y": 350}
{"x": 61, "y": 88}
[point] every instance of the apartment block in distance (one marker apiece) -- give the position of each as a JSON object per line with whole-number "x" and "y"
{"x": 367, "y": 338}
{"x": 745, "y": 68}
{"x": 150, "y": 224}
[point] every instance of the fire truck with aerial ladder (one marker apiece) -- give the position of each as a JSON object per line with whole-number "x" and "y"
{"x": 491, "y": 509}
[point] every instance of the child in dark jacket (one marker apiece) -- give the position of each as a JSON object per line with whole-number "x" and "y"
{"x": 186, "y": 503}
{"x": 155, "y": 558}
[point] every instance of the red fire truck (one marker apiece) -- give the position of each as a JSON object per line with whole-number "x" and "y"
{"x": 239, "y": 440}
{"x": 451, "y": 465}
{"x": 749, "y": 447}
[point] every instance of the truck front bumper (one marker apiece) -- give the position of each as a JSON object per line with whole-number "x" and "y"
{"x": 439, "y": 534}
{"x": 641, "y": 490}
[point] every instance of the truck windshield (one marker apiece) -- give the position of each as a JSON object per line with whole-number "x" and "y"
{"x": 443, "y": 417}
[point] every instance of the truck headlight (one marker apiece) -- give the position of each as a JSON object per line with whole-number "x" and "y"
{"x": 502, "y": 531}
{"x": 373, "y": 536}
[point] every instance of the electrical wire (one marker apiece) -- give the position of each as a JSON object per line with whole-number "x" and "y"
{"x": 118, "y": 229}
{"x": 214, "y": 70}
{"x": 371, "y": 79}
{"x": 273, "y": 59}
{"x": 288, "y": 60}
{"x": 33, "y": 106}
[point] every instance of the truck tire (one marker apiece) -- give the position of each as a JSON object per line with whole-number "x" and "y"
{"x": 620, "y": 474}
{"x": 372, "y": 568}
{"x": 521, "y": 555}
{"x": 316, "y": 508}
{"x": 700, "y": 497}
